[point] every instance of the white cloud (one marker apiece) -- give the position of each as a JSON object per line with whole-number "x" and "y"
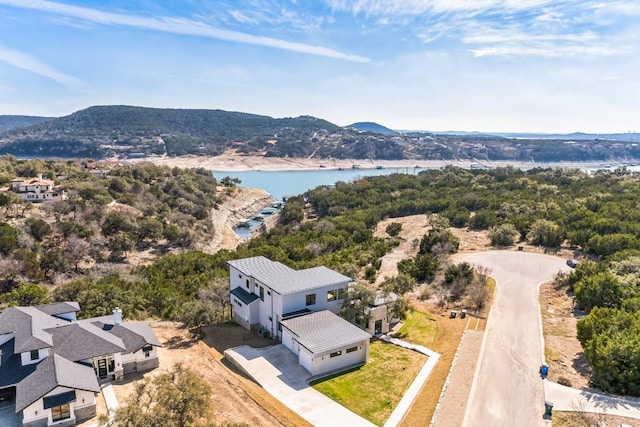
{"x": 34, "y": 65}
{"x": 177, "y": 26}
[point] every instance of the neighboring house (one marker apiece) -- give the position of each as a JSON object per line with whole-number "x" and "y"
{"x": 380, "y": 315}
{"x": 264, "y": 292}
{"x": 35, "y": 189}
{"x": 51, "y": 364}
{"x": 298, "y": 307}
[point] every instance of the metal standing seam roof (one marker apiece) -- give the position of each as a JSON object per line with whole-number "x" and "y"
{"x": 323, "y": 331}
{"x": 244, "y": 296}
{"x": 285, "y": 280}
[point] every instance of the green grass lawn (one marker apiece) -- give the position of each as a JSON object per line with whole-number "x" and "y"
{"x": 419, "y": 328}
{"x": 374, "y": 390}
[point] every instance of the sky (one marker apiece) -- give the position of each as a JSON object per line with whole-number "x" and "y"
{"x": 468, "y": 65}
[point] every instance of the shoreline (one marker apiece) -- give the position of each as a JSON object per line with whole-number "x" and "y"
{"x": 240, "y": 163}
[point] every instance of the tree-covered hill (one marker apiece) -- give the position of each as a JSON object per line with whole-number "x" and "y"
{"x": 15, "y": 122}
{"x": 138, "y": 131}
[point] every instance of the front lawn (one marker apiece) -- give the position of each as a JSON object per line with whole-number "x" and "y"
{"x": 374, "y": 390}
{"x": 419, "y": 328}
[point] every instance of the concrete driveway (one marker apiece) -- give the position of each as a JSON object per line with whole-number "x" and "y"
{"x": 507, "y": 390}
{"x": 277, "y": 370}
{"x": 8, "y": 417}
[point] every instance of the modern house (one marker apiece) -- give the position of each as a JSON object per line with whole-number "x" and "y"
{"x": 35, "y": 189}
{"x": 380, "y": 313}
{"x": 51, "y": 364}
{"x": 299, "y": 308}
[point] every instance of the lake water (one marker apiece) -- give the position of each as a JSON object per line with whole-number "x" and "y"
{"x": 291, "y": 183}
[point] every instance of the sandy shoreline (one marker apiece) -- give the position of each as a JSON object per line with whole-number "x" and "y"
{"x": 240, "y": 163}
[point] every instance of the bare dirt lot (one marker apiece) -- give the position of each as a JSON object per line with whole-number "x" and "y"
{"x": 563, "y": 351}
{"x": 235, "y": 398}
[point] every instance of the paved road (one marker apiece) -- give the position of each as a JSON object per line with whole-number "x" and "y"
{"x": 507, "y": 390}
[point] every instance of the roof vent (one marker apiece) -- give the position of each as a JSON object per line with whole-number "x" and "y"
{"x": 117, "y": 316}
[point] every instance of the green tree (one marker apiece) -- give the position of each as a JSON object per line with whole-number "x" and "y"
{"x": 394, "y": 229}
{"x": 8, "y": 238}
{"x": 27, "y": 294}
{"x": 178, "y": 398}
{"x": 355, "y": 306}
{"x": 503, "y": 234}
{"x": 600, "y": 290}
{"x": 545, "y": 233}
{"x": 439, "y": 238}
{"x": 38, "y": 228}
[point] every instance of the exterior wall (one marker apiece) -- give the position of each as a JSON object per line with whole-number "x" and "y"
{"x": 35, "y": 415}
{"x": 238, "y": 279}
{"x": 297, "y": 301}
{"x": 380, "y": 312}
{"x": 25, "y": 357}
{"x": 243, "y": 313}
{"x": 305, "y": 359}
{"x": 6, "y": 337}
{"x": 287, "y": 339}
{"x": 324, "y": 363}
{"x": 138, "y": 362}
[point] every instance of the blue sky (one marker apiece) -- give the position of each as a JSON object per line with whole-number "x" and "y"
{"x": 484, "y": 65}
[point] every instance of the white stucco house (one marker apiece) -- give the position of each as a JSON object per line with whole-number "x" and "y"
{"x": 51, "y": 365}
{"x": 380, "y": 313}
{"x": 298, "y": 307}
{"x": 36, "y": 189}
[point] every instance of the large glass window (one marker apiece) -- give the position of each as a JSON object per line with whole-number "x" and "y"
{"x": 332, "y": 295}
{"x": 35, "y": 355}
{"x": 261, "y": 293}
{"x": 61, "y": 412}
{"x": 311, "y": 299}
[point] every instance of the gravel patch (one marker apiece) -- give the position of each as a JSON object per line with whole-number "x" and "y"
{"x": 450, "y": 412}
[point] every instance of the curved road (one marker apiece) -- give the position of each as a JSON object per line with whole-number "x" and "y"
{"x": 506, "y": 389}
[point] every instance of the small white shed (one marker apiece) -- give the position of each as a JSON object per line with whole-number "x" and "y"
{"x": 325, "y": 342}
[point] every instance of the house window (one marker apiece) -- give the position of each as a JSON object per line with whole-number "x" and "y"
{"x": 352, "y": 349}
{"x": 240, "y": 276}
{"x": 336, "y": 353}
{"x": 340, "y": 293}
{"x": 331, "y": 295}
{"x": 311, "y": 299}
{"x": 147, "y": 350}
{"x": 35, "y": 355}
{"x": 61, "y": 412}
{"x": 247, "y": 283}
{"x": 261, "y": 293}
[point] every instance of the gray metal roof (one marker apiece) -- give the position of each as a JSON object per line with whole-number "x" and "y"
{"x": 245, "y": 297}
{"x": 323, "y": 331}
{"x": 59, "y": 308}
{"x": 50, "y": 373}
{"x": 285, "y": 280}
{"x": 28, "y": 324}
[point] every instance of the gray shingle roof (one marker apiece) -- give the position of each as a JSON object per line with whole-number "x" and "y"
{"x": 285, "y": 280}
{"x": 50, "y": 373}
{"x": 59, "y": 308}
{"x": 323, "y": 331}
{"x": 83, "y": 340}
{"x": 28, "y": 324}
{"x": 134, "y": 335}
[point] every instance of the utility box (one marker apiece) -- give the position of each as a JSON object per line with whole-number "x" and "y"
{"x": 463, "y": 314}
{"x": 548, "y": 407}
{"x": 453, "y": 314}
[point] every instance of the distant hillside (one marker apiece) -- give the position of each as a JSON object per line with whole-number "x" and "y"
{"x": 372, "y": 127}
{"x": 126, "y": 131}
{"x": 15, "y": 122}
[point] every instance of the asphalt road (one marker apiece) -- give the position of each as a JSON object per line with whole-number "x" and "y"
{"x": 507, "y": 389}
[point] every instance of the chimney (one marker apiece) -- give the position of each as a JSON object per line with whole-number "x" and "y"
{"x": 117, "y": 316}
{"x": 39, "y": 177}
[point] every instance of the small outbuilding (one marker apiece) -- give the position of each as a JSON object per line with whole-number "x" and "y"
{"x": 325, "y": 342}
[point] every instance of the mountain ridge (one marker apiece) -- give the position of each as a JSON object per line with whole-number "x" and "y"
{"x": 130, "y": 131}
